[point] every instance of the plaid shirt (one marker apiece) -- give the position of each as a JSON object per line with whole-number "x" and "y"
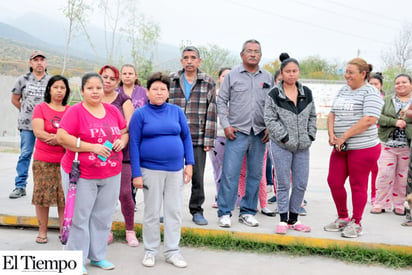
{"x": 200, "y": 109}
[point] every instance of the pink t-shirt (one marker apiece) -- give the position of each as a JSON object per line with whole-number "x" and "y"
{"x": 42, "y": 150}
{"x": 80, "y": 123}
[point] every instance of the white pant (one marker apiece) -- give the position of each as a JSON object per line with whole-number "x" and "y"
{"x": 167, "y": 188}
{"x": 93, "y": 214}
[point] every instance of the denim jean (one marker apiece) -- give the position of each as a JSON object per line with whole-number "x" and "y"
{"x": 235, "y": 150}
{"x": 27, "y": 140}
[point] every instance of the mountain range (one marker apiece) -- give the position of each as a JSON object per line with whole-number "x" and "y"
{"x": 19, "y": 36}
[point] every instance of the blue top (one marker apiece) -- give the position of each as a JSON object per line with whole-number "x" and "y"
{"x": 159, "y": 139}
{"x": 188, "y": 87}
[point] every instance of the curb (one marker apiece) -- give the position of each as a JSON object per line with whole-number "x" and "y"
{"x": 26, "y": 221}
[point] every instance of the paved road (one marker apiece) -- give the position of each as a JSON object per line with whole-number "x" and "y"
{"x": 200, "y": 261}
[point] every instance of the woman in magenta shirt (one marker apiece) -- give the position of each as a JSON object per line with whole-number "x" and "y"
{"x": 94, "y": 123}
{"x": 48, "y": 190}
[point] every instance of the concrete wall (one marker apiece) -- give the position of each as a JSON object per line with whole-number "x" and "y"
{"x": 8, "y": 113}
{"x": 323, "y": 92}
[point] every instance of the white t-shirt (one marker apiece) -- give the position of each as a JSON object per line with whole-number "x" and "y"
{"x": 349, "y": 106}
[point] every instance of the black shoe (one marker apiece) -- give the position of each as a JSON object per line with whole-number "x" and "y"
{"x": 268, "y": 212}
{"x": 17, "y": 193}
{"x": 272, "y": 200}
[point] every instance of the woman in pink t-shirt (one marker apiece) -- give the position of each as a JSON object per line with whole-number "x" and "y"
{"x": 48, "y": 190}
{"x": 103, "y": 134}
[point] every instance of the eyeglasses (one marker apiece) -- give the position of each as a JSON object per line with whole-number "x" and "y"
{"x": 249, "y": 51}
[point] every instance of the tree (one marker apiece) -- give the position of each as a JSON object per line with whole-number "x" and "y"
{"x": 314, "y": 67}
{"x": 143, "y": 35}
{"x": 400, "y": 54}
{"x": 272, "y": 67}
{"x": 112, "y": 23}
{"x": 75, "y": 12}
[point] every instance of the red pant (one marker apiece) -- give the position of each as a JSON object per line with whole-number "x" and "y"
{"x": 355, "y": 164}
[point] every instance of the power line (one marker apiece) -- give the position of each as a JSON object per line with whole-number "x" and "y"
{"x": 376, "y": 23}
{"x": 368, "y": 12}
{"x": 305, "y": 23}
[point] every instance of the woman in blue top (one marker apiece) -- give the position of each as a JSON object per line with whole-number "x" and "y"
{"x": 161, "y": 155}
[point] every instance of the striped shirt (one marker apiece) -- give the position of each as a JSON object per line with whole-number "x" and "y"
{"x": 349, "y": 106}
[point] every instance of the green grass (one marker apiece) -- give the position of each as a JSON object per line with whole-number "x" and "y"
{"x": 349, "y": 254}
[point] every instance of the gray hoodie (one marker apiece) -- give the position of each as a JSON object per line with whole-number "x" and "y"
{"x": 291, "y": 127}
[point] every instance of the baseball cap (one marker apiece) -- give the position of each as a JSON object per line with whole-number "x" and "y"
{"x": 36, "y": 53}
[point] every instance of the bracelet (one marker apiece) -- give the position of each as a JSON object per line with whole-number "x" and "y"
{"x": 78, "y": 143}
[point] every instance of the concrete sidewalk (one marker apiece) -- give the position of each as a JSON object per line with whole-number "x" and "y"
{"x": 382, "y": 230}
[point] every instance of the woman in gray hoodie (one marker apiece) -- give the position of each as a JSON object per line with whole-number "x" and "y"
{"x": 290, "y": 118}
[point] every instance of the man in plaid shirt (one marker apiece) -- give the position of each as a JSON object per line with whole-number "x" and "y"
{"x": 195, "y": 92}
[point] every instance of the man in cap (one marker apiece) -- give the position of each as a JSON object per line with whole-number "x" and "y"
{"x": 194, "y": 91}
{"x": 26, "y": 94}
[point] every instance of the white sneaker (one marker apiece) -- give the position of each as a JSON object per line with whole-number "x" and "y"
{"x": 224, "y": 221}
{"x": 149, "y": 259}
{"x": 249, "y": 220}
{"x": 177, "y": 260}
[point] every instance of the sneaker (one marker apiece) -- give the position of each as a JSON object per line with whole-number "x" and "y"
{"x": 298, "y": 226}
{"x": 337, "y": 225}
{"x": 131, "y": 238}
{"x": 224, "y": 221}
{"x": 149, "y": 259}
{"x": 199, "y": 219}
{"x": 352, "y": 230}
{"x": 177, "y": 260}
{"x": 266, "y": 211}
{"x": 84, "y": 270}
{"x": 282, "y": 228}
{"x": 269, "y": 188}
{"x": 103, "y": 264}
{"x": 17, "y": 193}
{"x": 302, "y": 211}
{"x": 248, "y": 219}
{"x": 272, "y": 200}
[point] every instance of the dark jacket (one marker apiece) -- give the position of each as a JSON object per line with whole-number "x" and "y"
{"x": 291, "y": 127}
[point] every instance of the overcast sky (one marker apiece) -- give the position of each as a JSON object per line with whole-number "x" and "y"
{"x": 332, "y": 29}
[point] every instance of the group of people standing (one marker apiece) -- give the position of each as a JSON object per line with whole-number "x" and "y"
{"x": 157, "y": 138}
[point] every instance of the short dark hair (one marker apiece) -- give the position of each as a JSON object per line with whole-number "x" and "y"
{"x": 251, "y": 41}
{"x": 52, "y": 80}
{"x": 191, "y": 49}
{"x": 222, "y": 69}
{"x": 87, "y": 76}
{"x": 158, "y": 76}
{"x": 405, "y": 75}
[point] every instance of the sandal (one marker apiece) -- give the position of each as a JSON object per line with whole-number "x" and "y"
{"x": 41, "y": 240}
{"x": 377, "y": 210}
{"x": 407, "y": 223}
{"x": 131, "y": 238}
{"x": 298, "y": 226}
{"x": 399, "y": 211}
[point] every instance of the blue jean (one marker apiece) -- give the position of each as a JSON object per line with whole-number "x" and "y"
{"x": 235, "y": 150}
{"x": 27, "y": 140}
